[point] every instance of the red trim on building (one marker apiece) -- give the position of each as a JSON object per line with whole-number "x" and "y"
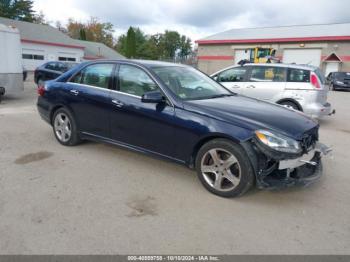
{"x": 50, "y": 43}
{"x": 275, "y": 40}
{"x": 215, "y": 57}
{"x": 345, "y": 58}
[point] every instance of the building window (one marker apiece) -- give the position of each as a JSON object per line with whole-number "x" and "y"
{"x": 32, "y": 57}
{"x": 63, "y": 58}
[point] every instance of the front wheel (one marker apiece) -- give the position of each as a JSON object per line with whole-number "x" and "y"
{"x": 65, "y": 128}
{"x": 224, "y": 168}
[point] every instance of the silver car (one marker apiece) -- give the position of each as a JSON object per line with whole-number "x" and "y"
{"x": 301, "y": 87}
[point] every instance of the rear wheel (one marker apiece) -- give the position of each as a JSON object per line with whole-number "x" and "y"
{"x": 224, "y": 168}
{"x": 291, "y": 105}
{"x": 65, "y": 128}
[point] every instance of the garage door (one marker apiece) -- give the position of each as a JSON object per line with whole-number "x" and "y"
{"x": 240, "y": 55}
{"x": 32, "y": 58}
{"x": 302, "y": 56}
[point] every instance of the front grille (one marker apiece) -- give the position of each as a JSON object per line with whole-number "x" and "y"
{"x": 309, "y": 139}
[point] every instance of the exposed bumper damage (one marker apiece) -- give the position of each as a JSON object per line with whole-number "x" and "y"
{"x": 277, "y": 171}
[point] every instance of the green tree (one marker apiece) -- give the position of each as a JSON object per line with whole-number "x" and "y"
{"x": 17, "y": 9}
{"x": 162, "y": 46}
{"x": 82, "y": 34}
{"x": 130, "y": 43}
{"x": 185, "y": 47}
{"x": 171, "y": 42}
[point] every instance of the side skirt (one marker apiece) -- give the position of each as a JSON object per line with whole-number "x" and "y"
{"x": 106, "y": 140}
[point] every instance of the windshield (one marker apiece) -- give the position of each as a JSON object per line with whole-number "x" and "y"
{"x": 190, "y": 84}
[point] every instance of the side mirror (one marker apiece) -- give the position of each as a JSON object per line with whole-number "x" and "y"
{"x": 216, "y": 78}
{"x": 152, "y": 97}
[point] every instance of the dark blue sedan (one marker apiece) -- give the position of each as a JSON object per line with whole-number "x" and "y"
{"x": 178, "y": 113}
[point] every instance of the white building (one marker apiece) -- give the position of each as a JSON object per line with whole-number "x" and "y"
{"x": 42, "y": 43}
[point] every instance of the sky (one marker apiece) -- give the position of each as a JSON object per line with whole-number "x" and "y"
{"x": 196, "y": 18}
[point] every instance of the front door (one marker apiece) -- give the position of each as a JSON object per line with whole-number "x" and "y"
{"x": 145, "y": 125}
{"x": 233, "y": 79}
{"x": 265, "y": 83}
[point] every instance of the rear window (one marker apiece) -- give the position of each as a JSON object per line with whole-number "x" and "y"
{"x": 341, "y": 75}
{"x": 298, "y": 75}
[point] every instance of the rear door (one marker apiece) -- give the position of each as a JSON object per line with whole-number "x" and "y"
{"x": 233, "y": 79}
{"x": 89, "y": 92}
{"x": 265, "y": 83}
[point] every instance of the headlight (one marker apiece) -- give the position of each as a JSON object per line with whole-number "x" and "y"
{"x": 278, "y": 142}
{"x": 339, "y": 82}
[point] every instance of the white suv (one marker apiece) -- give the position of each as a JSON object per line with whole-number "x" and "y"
{"x": 300, "y": 87}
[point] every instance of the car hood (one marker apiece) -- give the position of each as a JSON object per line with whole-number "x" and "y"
{"x": 253, "y": 114}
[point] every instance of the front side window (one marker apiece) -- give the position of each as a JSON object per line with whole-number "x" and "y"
{"x": 190, "y": 84}
{"x": 98, "y": 75}
{"x": 232, "y": 75}
{"x": 267, "y": 74}
{"x": 135, "y": 81}
{"x": 298, "y": 75}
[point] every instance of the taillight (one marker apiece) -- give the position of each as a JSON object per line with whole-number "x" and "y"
{"x": 314, "y": 81}
{"x": 41, "y": 90}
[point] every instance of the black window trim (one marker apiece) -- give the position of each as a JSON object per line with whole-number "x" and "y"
{"x": 110, "y": 82}
{"x": 117, "y": 90}
{"x": 115, "y": 79}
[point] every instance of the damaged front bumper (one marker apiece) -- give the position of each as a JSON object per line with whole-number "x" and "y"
{"x": 278, "y": 174}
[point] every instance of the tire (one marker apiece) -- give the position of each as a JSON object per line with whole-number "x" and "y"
{"x": 290, "y": 104}
{"x": 231, "y": 175}
{"x": 65, "y": 128}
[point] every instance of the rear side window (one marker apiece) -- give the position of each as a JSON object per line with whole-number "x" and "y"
{"x": 232, "y": 75}
{"x": 298, "y": 75}
{"x": 267, "y": 74}
{"x": 98, "y": 75}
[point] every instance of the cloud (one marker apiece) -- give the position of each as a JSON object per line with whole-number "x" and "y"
{"x": 197, "y": 18}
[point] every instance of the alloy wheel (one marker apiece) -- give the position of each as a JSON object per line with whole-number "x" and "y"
{"x": 221, "y": 169}
{"x": 63, "y": 127}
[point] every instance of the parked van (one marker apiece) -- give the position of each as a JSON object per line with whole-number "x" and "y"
{"x": 11, "y": 70}
{"x": 300, "y": 87}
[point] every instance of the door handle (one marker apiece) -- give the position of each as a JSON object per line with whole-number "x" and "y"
{"x": 117, "y": 103}
{"x": 235, "y": 86}
{"x": 74, "y": 92}
{"x": 250, "y": 86}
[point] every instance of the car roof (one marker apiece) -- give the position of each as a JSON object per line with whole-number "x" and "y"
{"x": 298, "y": 66}
{"x": 283, "y": 65}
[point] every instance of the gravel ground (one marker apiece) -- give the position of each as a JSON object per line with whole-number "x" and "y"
{"x": 101, "y": 199}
